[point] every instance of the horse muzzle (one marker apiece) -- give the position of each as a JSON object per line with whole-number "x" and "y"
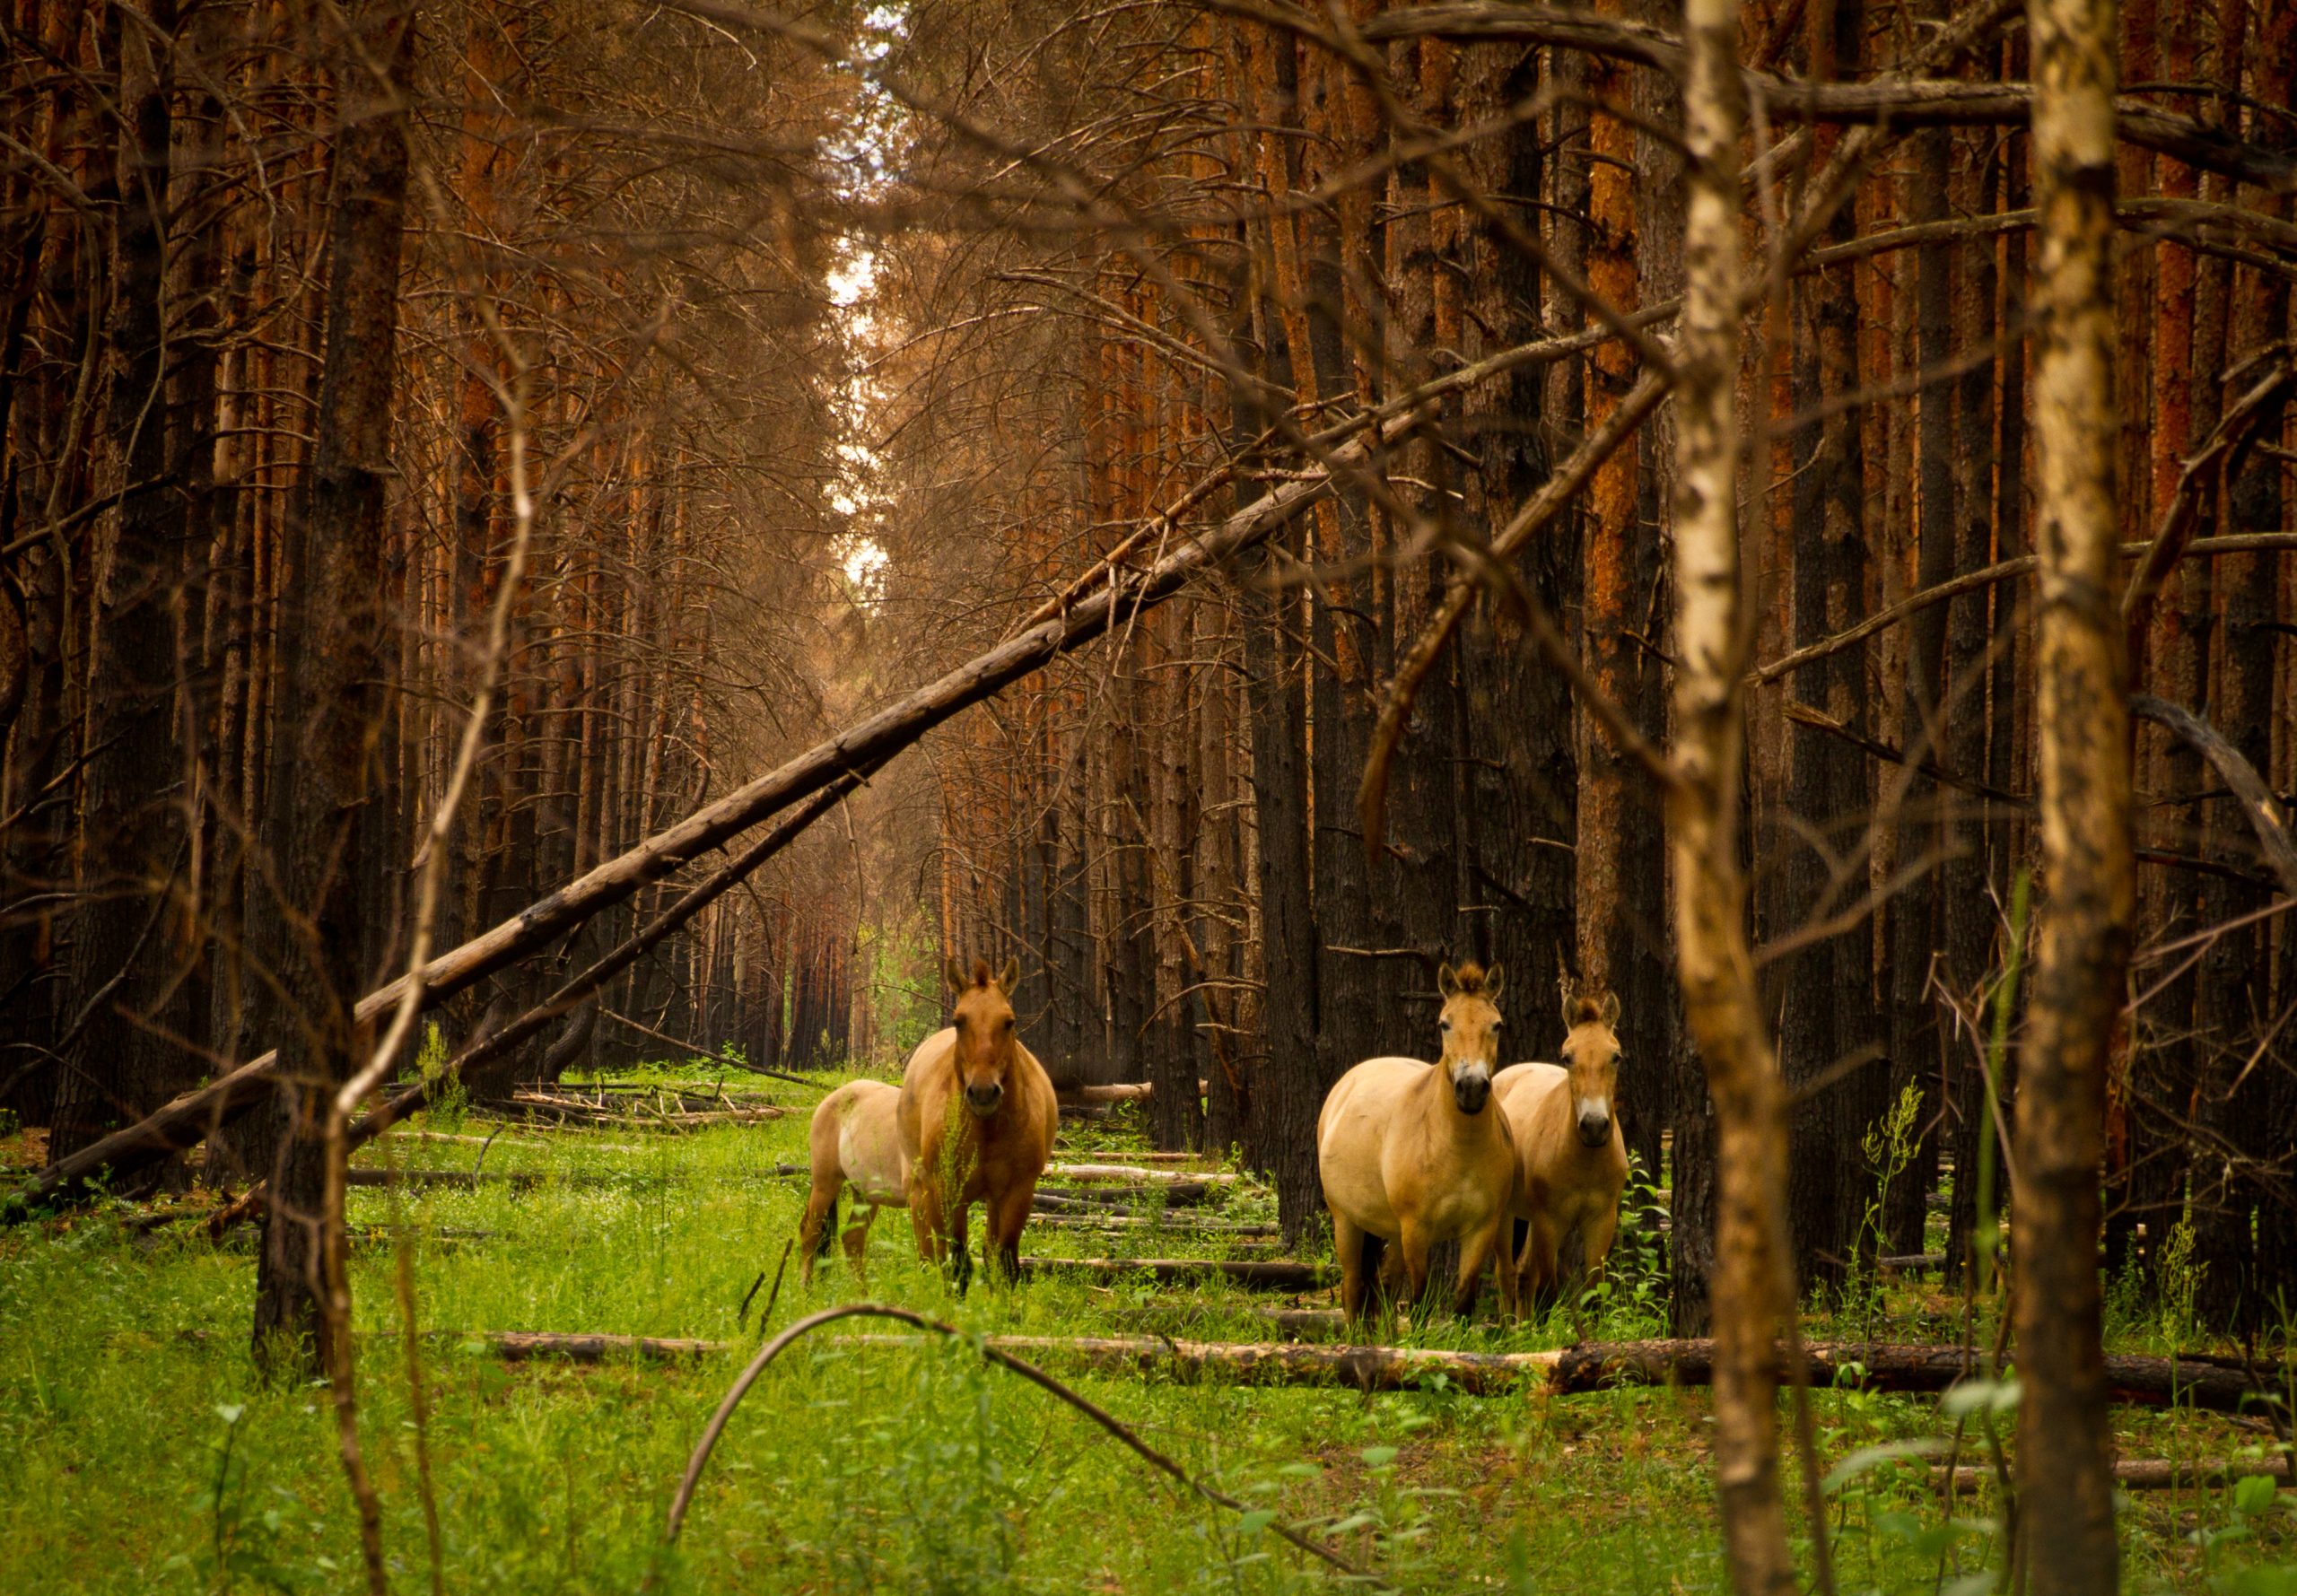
{"x": 1594, "y": 1130}
{"x": 984, "y": 1101}
{"x": 1471, "y": 1093}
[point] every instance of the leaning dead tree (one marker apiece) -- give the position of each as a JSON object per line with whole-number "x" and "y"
{"x": 1119, "y": 596}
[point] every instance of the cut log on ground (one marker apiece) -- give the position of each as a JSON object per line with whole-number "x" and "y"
{"x": 1181, "y": 1195}
{"x": 1087, "y": 1173}
{"x": 468, "y": 1141}
{"x": 1175, "y": 1228}
{"x": 1271, "y": 1274}
{"x": 638, "y": 1117}
{"x": 521, "y": 1346}
{"x": 517, "y": 1179}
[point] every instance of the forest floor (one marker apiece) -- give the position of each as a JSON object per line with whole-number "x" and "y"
{"x": 139, "y": 1451}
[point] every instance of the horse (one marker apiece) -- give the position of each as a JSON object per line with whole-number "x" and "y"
{"x": 1410, "y": 1152}
{"x": 1571, "y": 1158}
{"x": 855, "y": 1137}
{"x": 977, "y": 1117}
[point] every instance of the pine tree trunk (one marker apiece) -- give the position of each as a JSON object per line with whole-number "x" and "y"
{"x": 135, "y": 797}
{"x": 334, "y": 671}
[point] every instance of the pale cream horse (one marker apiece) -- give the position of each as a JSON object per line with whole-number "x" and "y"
{"x": 1411, "y": 1153}
{"x": 1571, "y": 1158}
{"x": 855, "y": 1138}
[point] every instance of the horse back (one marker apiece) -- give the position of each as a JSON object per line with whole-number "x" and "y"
{"x": 855, "y": 1136}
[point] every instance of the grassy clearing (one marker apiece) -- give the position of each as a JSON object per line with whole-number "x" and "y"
{"x": 138, "y": 1451}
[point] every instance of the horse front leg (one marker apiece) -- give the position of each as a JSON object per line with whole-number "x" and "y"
{"x": 1414, "y": 1244}
{"x": 1536, "y": 1270}
{"x": 1477, "y": 1251}
{"x": 1596, "y": 1238}
{"x": 957, "y": 1240}
{"x": 1007, "y": 1215}
{"x": 925, "y": 1215}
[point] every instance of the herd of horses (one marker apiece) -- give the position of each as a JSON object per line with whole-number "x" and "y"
{"x": 1507, "y": 1162}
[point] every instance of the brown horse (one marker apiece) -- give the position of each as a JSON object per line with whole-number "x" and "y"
{"x": 1571, "y": 1158}
{"x": 1410, "y": 1154}
{"x": 855, "y": 1137}
{"x": 977, "y": 1117}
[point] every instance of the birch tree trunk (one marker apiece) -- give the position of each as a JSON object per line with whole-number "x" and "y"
{"x": 1712, "y": 961}
{"x": 2065, "y": 1448}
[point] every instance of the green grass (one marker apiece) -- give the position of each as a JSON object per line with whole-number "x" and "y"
{"x": 140, "y": 1452}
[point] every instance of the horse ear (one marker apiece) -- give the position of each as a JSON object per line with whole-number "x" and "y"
{"x": 1570, "y": 1002}
{"x": 956, "y": 976}
{"x": 1611, "y": 1008}
{"x": 1447, "y": 983}
{"x": 1492, "y": 982}
{"x": 1009, "y": 977}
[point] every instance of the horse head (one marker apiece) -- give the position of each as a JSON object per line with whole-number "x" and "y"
{"x": 1469, "y": 1024}
{"x": 985, "y": 1051}
{"x": 1591, "y": 1053}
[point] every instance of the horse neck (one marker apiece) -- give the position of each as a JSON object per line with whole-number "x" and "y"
{"x": 1442, "y": 1111}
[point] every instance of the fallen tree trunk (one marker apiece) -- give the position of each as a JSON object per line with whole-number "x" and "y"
{"x": 2147, "y": 1381}
{"x": 1268, "y": 1363}
{"x": 1083, "y": 1097}
{"x": 1293, "y": 1324}
{"x": 2153, "y": 1474}
{"x": 2214, "y": 1385}
{"x": 860, "y": 748}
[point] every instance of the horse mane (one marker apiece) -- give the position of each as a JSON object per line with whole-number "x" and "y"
{"x": 980, "y": 973}
{"x": 1469, "y": 980}
{"x": 1587, "y": 1006}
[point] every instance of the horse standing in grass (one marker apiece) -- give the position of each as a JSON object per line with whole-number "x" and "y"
{"x": 1572, "y": 1160}
{"x": 977, "y": 1117}
{"x": 1413, "y": 1155}
{"x": 855, "y": 1137}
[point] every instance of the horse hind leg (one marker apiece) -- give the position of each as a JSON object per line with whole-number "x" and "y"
{"x": 1358, "y": 1250}
{"x": 857, "y": 1242}
{"x": 820, "y": 1224}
